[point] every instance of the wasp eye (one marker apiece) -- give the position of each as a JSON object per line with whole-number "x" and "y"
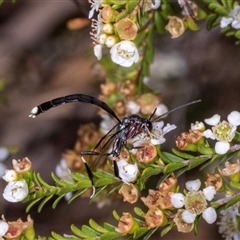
{"x": 149, "y": 125}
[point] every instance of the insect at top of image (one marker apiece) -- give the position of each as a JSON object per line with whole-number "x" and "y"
{"x": 116, "y": 139}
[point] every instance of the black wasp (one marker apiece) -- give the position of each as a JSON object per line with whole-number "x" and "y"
{"x": 125, "y": 129}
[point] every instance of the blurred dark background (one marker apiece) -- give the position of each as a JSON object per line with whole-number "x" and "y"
{"x": 40, "y": 59}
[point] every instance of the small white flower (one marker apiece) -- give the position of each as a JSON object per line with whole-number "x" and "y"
{"x": 228, "y": 224}
{"x": 193, "y": 185}
{"x": 98, "y": 51}
{"x": 188, "y": 217}
{"x": 10, "y": 175}
{"x": 133, "y": 107}
{"x": 3, "y": 228}
{"x": 210, "y": 215}
{"x": 15, "y": 191}
{"x": 233, "y": 19}
{"x": 127, "y": 172}
{"x": 159, "y": 132}
{"x": 177, "y": 200}
{"x": 156, "y": 136}
{"x": 209, "y": 192}
{"x": 222, "y": 131}
{"x": 124, "y": 53}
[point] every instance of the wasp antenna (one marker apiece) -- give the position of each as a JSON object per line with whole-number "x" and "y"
{"x": 182, "y": 106}
{"x": 152, "y": 114}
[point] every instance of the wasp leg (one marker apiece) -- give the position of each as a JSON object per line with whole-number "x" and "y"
{"x": 116, "y": 170}
{"x": 89, "y": 173}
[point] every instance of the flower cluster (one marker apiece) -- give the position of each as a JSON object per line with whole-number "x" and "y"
{"x": 115, "y": 33}
{"x": 159, "y": 200}
{"x": 195, "y": 203}
{"x": 17, "y": 187}
{"x": 222, "y": 131}
{"x": 229, "y": 222}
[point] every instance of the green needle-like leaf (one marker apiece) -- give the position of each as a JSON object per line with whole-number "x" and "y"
{"x": 57, "y": 236}
{"x": 42, "y": 182}
{"x": 150, "y": 171}
{"x": 139, "y": 212}
{"x": 109, "y": 227}
{"x": 97, "y": 227}
{"x": 76, "y": 195}
{"x": 140, "y": 232}
{"x": 171, "y": 167}
{"x": 104, "y": 181}
{"x": 197, "y": 161}
{"x": 41, "y": 205}
{"x": 32, "y": 203}
{"x": 110, "y": 235}
{"x": 54, "y": 205}
{"x": 79, "y": 232}
{"x": 182, "y": 154}
{"x": 89, "y": 231}
{"x": 115, "y": 215}
{"x": 150, "y": 233}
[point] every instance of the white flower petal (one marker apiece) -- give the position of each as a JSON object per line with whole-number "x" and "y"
{"x": 3, "y": 228}
{"x": 157, "y": 126}
{"x": 10, "y": 175}
{"x": 234, "y": 118}
{"x": 127, "y": 172}
{"x": 209, "y": 134}
{"x": 225, "y": 22}
{"x": 235, "y": 11}
{"x": 197, "y": 126}
{"x": 124, "y": 53}
{"x": 209, "y": 192}
{"x": 210, "y": 215}
{"x": 193, "y": 185}
{"x": 236, "y": 24}
{"x": 214, "y": 120}
{"x": 98, "y": 51}
{"x": 221, "y": 147}
{"x": 168, "y": 128}
{"x": 15, "y": 191}
{"x": 161, "y": 109}
{"x": 188, "y": 217}
{"x": 177, "y": 200}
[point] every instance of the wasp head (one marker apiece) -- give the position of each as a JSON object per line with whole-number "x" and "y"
{"x": 148, "y": 124}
